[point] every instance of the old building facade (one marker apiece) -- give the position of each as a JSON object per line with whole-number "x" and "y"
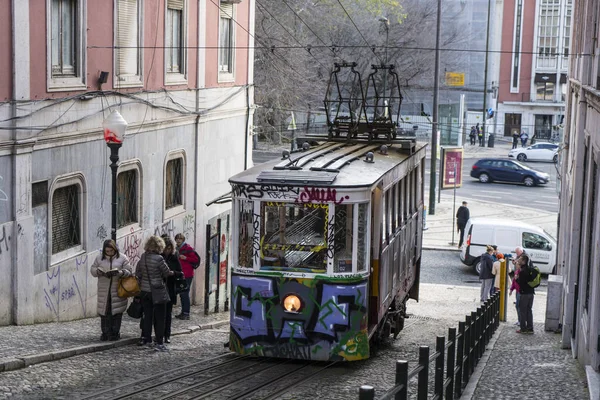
{"x": 534, "y": 58}
{"x": 180, "y": 74}
{"x": 579, "y": 232}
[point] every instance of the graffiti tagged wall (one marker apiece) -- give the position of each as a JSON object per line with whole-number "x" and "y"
{"x": 331, "y": 324}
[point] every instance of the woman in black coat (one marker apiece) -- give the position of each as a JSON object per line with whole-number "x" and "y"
{"x": 173, "y": 263}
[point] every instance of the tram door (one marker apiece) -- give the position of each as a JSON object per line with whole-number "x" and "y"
{"x": 374, "y": 272}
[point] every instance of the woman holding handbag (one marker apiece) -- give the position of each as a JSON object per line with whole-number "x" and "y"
{"x": 173, "y": 263}
{"x": 108, "y": 267}
{"x": 152, "y": 271}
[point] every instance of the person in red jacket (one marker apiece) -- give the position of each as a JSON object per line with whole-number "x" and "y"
{"x": 188, "y": 258}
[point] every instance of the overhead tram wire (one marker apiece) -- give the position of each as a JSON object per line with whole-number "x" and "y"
{"x": 264, "y": 47}
{"x": 359, "y": 32}
{"x": 308, "y": 26}
{"x": 290, "y": 33}
{"x": 254, "y": 37}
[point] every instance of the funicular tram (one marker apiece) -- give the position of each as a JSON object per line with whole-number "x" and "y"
{"x": 326, "y": 241}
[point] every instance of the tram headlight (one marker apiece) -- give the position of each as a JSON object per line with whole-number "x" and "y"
{"x": 292, "y": 303}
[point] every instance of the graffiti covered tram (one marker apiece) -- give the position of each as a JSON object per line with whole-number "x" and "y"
{"x": 326, "y": 242}
{"x": 326, "y": 249}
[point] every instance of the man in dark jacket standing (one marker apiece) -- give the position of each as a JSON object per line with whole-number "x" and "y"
{"x": 462, "y": 216}
{"x": 527, "y": 293}
{"x": 485, "y": 273}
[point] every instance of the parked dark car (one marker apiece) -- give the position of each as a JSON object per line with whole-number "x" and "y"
{"x": 496, "y": 169}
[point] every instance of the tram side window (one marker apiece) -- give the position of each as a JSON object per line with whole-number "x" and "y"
{"x": 344, "y": 215}
{"x": 383, "y": 220}
{"x": 413, "y": 191}
{"x": 390, "y": 205}
{"x": 418, "y": 191}
{"x": 245, "y": 258}
{"x": 361, "y": 253}
{"x": 394, "y": 207}
{"x": 293, "y": 236}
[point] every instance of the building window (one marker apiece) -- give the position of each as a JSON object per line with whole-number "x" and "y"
{"x": 544, "y": 91}
{"x": 128, "y": 44}
{"x": 66, "y": 218}
{"x": 65, "y": 42}
{"x": 517, "y": 45}
{"x": 226, "y": 43}
{"x": 548, "y": 29}
{"x": 175, "y": 41}
{"x": 174, "y": 183}
{"x": 590, "y": 232}
{"x": 127, "y": 198}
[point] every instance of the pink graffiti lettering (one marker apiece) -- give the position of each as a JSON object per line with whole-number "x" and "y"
{"x": 316, "y": 195}
{"x": 132, "y": 248}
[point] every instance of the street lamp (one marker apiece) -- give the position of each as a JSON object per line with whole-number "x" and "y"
{"x": 114, "y": 134}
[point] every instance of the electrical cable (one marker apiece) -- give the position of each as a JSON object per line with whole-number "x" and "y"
{"x": 359, "y": 32}
{"x": 288, "y": 32}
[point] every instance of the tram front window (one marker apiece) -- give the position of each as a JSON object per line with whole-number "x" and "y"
{"x": 294, "y": 236}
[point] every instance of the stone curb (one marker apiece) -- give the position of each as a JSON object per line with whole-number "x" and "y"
{"x": 26, "y": 361}
{"x": 440, "y": 248}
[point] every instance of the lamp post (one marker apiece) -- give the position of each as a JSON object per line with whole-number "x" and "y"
{"x": 114, "y": 134}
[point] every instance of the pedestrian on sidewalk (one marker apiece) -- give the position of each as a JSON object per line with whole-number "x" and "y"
{"x": 174, "y": 265}
{"x": 152, "y": 271}
{"x": 524, "y": 137}
{"x": 514, "y": 287}
{"x": 108, "y": 267}
{"x": 485, "y": 273}
{"x": 472, "y": 135}
{"x": 479, "y": 134}
{"x": 527, "y": 293}
{"x": 515, "y": 139}
{"x": 462, "y": 216}
{"x": 189, "y": 260}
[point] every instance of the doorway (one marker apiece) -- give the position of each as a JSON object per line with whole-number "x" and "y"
{"x": 512, "y": 123}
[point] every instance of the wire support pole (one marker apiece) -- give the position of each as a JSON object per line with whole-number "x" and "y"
{"x": 485, "y": 72}
{"x": 434, "y": 129}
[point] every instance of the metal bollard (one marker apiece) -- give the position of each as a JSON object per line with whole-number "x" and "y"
{"x": 451, "y": 363}
{"x": 402, "y": 379}
{"x": 366, "y": 392}
{"x": 440, "y": 349}
{"x": 423, "y": 377}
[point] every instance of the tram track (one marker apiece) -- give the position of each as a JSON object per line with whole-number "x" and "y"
{"x": 226, "y": 376}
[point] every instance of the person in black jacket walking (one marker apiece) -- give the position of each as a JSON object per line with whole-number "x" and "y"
{"x": 485, "y": 273}
{"x": 462, "y": 216}
{"x": 527, "y": 293}
{"x": 174, "y": 265}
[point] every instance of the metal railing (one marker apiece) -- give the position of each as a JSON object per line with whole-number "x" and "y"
{"x": 460, "y": 354}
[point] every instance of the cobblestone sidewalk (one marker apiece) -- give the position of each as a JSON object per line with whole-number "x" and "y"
{"x": 26, "y": 345}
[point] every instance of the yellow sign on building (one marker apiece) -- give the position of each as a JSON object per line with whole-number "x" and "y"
{"x": 455, "y": 78}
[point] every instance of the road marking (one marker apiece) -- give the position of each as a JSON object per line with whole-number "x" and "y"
{"x": 482, "y": 195}
{"x": 546, "y": 202}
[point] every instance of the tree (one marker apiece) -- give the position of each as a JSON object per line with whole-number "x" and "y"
{"x": 299, "y": 41}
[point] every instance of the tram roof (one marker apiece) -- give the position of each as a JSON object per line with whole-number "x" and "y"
{"x": 339, "y": 164}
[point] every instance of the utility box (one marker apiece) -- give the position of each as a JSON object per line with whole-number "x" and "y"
{"x": 554, "y": 302}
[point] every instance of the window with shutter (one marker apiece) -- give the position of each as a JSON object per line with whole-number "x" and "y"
{"x": 127, "y": 198}
{"x": 175, "y": 42}
{"x": 128, "y": 43}
{"x": 66, "y": 227}
{"x": 174, "y": 180}
{"x": 226, "y": 43}
{"x": 65, "y": 44}
{"x": 174, "y": 183}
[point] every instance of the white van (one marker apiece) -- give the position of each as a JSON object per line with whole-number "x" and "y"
{"x": 507, "y": 235}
